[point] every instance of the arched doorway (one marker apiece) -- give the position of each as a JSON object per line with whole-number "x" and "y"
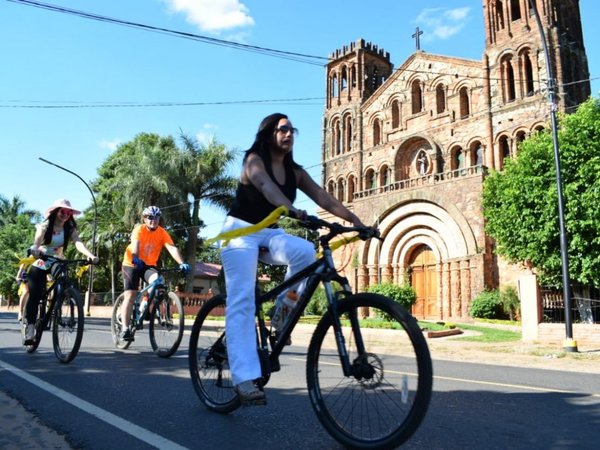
{"x": 424, "y": 281}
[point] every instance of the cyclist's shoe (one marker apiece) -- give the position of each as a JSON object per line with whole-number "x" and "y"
{"x": 250, "y": 394}
{"x": 29, "y": 337}
{"x": 127, "y": 336}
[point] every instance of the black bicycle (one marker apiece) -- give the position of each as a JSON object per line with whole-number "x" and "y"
{"x": 61, "y": 310}
{"x": 164, "y": 311}
{"x": 368, "y": 369}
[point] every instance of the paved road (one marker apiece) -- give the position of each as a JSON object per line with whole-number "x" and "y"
{"x": 102, "y": 401}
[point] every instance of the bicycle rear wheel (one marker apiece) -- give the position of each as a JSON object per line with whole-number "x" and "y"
{"x": 382, "y": 403}
{"x": 167, "y": 322}
{"x": 209, "y": 366}
{"x": 116, "y": 324}
{"x": 67, "y": 325}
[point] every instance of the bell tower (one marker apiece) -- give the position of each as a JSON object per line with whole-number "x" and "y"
{"x": 354, "y": 73}
{"x": 514, "y": 51}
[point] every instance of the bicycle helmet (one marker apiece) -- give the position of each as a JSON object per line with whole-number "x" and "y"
{"x": 151, "y": 211}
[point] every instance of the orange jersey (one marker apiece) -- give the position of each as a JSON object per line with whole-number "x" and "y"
{"x": 151, "y": 244}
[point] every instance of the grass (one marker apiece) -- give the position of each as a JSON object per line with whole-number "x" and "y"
{"x": 485, "y": 334}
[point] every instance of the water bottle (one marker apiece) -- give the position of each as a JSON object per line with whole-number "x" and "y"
{"x": 289, "y": 302}
{"x": 143, "y": 305}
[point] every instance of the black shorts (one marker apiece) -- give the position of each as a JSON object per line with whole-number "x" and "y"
{"x": 133, "y": 276}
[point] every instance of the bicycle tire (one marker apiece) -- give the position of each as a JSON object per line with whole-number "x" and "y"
{"x": 167, "y": 322}
{"x": 116, "y": 324}
{"x": 386, "y": 399}
{"x": 67, "y": 325}
{"x": 207, "y": 357}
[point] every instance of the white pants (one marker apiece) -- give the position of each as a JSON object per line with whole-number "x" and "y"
{"x": 240, "y": 260}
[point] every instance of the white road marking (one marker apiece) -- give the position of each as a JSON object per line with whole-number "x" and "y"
{"x": 123, "y": 425}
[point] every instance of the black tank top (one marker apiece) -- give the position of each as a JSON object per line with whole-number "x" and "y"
{"x": 251, "y": 206}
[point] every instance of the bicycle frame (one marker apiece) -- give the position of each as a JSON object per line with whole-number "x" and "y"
{"x": 321, "y": 271}
{"x": 59, "y": 284}
{"x": 151, "y": 289}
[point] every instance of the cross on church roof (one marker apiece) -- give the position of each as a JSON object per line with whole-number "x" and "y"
{"x": 416, "y": 36}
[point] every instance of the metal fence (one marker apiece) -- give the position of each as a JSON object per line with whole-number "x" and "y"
{"x": 584, "y": 309}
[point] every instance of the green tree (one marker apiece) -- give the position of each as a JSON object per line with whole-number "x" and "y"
{"x": 151, "y": 169}
{"x": 520, "y": 203}
{"x": 15, "y": 239}
{"x": 10, "y": 210}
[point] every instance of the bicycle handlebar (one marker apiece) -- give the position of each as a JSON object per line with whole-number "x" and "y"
{"x": 335, "y": 229}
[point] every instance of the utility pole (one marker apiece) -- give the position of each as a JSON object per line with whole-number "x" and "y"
{"x": 569, "y": 344}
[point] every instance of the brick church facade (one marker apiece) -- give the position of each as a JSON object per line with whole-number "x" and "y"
{"x": 410, "y": 148}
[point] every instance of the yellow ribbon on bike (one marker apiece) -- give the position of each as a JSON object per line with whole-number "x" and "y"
{"x": 29, "y": 260}
{"x": 81, "y": 271}
{"x": 340, "y": 243}
{"x": 239, "y": 232}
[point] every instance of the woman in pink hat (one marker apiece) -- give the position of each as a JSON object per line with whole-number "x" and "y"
{"x": 51, "y": 238}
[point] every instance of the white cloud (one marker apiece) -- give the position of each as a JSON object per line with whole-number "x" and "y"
{"x": 110, "y": 145}
{"x": 442, "y": 23}
{"x": 207, "y": 133}
{"x": 213, "y": 15}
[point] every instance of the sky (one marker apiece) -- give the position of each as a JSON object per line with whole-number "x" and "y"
{"x": 73, "y": 88}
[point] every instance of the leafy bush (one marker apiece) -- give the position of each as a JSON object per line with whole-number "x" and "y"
{"x": 511, "y": 305}
{"x": 317, "y": 304}
{"x": 487, "y": 305}
{"x": 405, "y": 294}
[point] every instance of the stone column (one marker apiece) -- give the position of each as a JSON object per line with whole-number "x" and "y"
{"x": 455, "y": 289}
{"x": 387, "y": 275}
{"x": 531, "y": 307}
{"x": 363, "y": 278}
{"x": 465, "y": 284}
{"x": 446, "y": 299}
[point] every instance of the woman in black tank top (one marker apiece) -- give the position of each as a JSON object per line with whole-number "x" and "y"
{"x": 269, "y": 179}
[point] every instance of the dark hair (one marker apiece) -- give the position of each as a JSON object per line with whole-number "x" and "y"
{"x": 69, "y": 226}
{"x": 263, "y": 140}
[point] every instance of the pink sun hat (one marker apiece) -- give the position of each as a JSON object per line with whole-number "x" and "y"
{"x": 61, "y": 203}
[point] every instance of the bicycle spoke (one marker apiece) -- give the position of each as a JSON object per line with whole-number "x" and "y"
{"x": 166, "y": 325}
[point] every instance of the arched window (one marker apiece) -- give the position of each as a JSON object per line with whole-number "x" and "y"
{"x": 395, "y": 114}
{"x": 458, "y": 158}
{"x": 508, "y": 79}
{"x": 499, "y": 15}
{"x": 351, "y": 188}
{"x": 528, "y": 88}
{"x": 353, "y": 76}
{"x": 370, "y": 179}
{"x": 340, "y": 190}
{"x": 376, "y": 132}
{"x": 440, "y": 98}
{"x": 515, "y": 9}
{"x": 336, "y": 137}
{"x": 416, "y": 97}
{"x": 347, "y": 133}
{"x": 384, "y": 175}
{"x": 334, "y": 86}
{"x": 331, "y": 187}
{"x": 463, "y": 96}
{"x": 344, "y": 79}
{"x": 504, "y": 148}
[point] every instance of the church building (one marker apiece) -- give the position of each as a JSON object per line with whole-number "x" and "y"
{"x": 409, "y": 148}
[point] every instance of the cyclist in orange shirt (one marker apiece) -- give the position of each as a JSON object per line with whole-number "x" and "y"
{"x": 147, "y": 242}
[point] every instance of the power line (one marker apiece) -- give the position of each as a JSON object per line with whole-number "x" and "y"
{"x": 36, "y": 104}
{"x": 293, "y": 56}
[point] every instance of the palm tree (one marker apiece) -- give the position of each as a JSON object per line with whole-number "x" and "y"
{"x": 204, "y": 179}
{"x": 11, "y": 209}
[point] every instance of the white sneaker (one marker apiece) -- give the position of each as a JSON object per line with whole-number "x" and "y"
{"x": 30, "y": 332}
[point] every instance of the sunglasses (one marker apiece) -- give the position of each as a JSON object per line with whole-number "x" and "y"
{"x": 152, "y": 217}
{"x": 65, "y": 211}
{"x": 285, "y": 129}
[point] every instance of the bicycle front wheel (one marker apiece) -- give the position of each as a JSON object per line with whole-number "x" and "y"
{"x": 167, "y": 322}
{"x": 67, "y": 325}
{"x": 385, "y": 398}
{"x": 116, "y": 324}
{"x": 209, "y": 365}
